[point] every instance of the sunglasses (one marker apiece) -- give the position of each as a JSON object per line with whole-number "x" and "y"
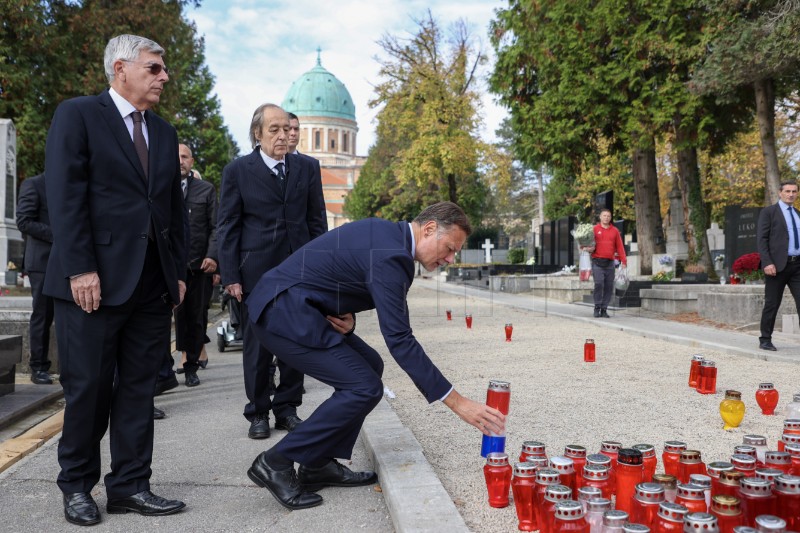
{"x": 154, "y": 68}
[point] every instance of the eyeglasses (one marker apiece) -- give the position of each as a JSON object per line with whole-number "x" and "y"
{"x": 154, "y": 68}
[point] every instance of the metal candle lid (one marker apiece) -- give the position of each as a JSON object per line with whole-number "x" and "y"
{"x": 789, "y": 438}
{"x": 694, "y": 522}
{"x": 754, "y": 440}
{"x": 598, "y": 459}
{"x": 791, "y": 423}
{"x": 629, "y": 456}
{"x": 648, "y": 450}
{"x": 547, "y": 476}
{"x": 557, "y": 493}
{"x": 716, "y": 467}
{"x": 765, "y": 386}
{"x": 744, "y": 449}
{"x": 569, "y": 510}
{"x": 573, "y": 450}
{"x": 615, "y": 518}
{"x": 701, "y": 480}
{"x": 758, "y": 488}
{"x": 768, "y": 474}
{"x": 496, "y": 459}
{"x": 690, "y": 456}
{"x": 726, "y": 505}
{"x": 525, "y": 469}
{"x": 707, "y": 363}
{"x": 731, "y": 477}
{"x": 538, "y": 461}
{"x": 674, "y": 512}
{"x": 649, "y": 493}
{"x": 744, "y": 529}
{"x": 777, "y": 458}
{"x": 792, "y": 449}
{"x": 674, "y": 446}
{"x": 587, "y": 493}
{"x": 768, "y": 522}
{"x": 589, "y": 341}
{"x": 596, "y": 472}
{"x": 635, "y": 528}
{"x": 786, "y": 484}
{"x": 610, "y": 446}
{"x": 499, "y": 386}
{"x": 733, "y": 395}
{"x": 667, "y": 481}
{"x": 533, "y": 447}
{"x": 796, "y": 397}
{"x": 741, "y": 461}
{"x": 564, "y": 465}
{"x": 687, "y": 491}
{"x": 697, "y": 357}
{"x": 598, "y": 505}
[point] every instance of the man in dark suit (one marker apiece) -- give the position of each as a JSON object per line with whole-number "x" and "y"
{"x": 270, "y": 205}
{"x": 117, "y": 267}
{"x": 34, "y": 221}
{"x": 778, "y": 241}
{"x": 190, "y": 320}
{"x": 303, "y": 312}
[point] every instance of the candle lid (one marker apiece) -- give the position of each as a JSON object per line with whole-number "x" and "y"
{"x": 498, "y": 385}
{"x": 635, "y": 528}
{"x": 525, "y": 469}
{"x": 688, "y": 491}
{"x": 596, "y": 472}
{"x": 754, "y": 440}
{"x": 629, "y": 456}
{"x": 787, "y": 484}
{"x": 557, "y": 493}
{"x": 745, "y": 449}
{"x": 700, "y": 480}
{"x": 598, "y": 505}
{"x": 759, "y": 488}
{"x": 707, "y": 363}
{"x": 792, "y": 449}
{"x": 574, "y": 450}
{"x": 765, "y": 386}
{"x": 697, "y": 357}
{"x": 667, "y": 481}
{"x": 791, "y": 423}
{"x": 744, "y": 529}
{"x": 690, "y": 456}
{"x": 674, "y": 512}
{"x": 598, "y": 459}
{"x": 538, "y": 461}
{"x": 731, "y": 477}
{"x": 726, "y": 505}
{"x": 564, "y": 465}
{"x": 790, "y": 439}
{"x": 777, "y": 458}
{"x": 610, "y": 446}
{"x": 743, "y": 461}
{"x": 674, "y": 446}
{"x": 590, "y": 341}
{"x": 533, "y": 447}
{"x": 733, "y": 395}
{"x": 768, "y": 474}
{"x": 768, "y": 522}
{"x": 716, "y": 467}
{"x": 547, "y": 476}
{"x": 796, "y": 397}
{"x": 587, "y": 493}
{"x": 496, "y": 459}
{"x": 615, "y": 518}
{"x": 652, "y": 493}
{"x": 700, "y": 522}
{"x": 648, "y": 450}
{"x": 569, "y": 510}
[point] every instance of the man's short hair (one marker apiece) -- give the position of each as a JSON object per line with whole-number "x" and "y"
{"x": 292, "y": 116}
{"x": 258, "y": 121}
{"x": 127, "y": 48}
{"x": 191, "y": 154}
{"x": 446, "y": 215}
{"x": 787, "y": 182}
{"x": 605, "y": 210}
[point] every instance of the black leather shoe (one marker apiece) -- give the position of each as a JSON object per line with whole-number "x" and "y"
{"x": 191, "y": 379}
{"x": 283, "y": 485}
{"x": 203, "y": 364}
{"x": 145, "y": 503}
{"x": 40, "y": 377}
{"x": 81, "y": 509}
{"x": 163, "y": 385}
{"x": 179, "y": 370}
{"x": 259, "y": 427}
{"x": 604, "y": 314}
{"x": 158, "y": 414}
{"x": 767, "y": 345}
{"x": 597, "y": 312}
{"x": 333, "y": 475}
{"x": 288, "y": 423}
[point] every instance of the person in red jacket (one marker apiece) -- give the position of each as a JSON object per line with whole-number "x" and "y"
{"x": 608, "y": 246}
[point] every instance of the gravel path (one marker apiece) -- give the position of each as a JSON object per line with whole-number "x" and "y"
{"x": 636, "y": 392}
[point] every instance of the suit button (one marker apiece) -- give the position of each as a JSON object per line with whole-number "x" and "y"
{"x": 143, "y": 235}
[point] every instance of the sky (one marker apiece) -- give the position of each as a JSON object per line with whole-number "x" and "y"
{"x": 257, "y": 48}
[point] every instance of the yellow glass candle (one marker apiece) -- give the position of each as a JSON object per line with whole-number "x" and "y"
{"x": 731, "y": 409}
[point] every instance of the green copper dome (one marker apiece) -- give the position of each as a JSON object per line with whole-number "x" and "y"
{"x": 318, "y": 93}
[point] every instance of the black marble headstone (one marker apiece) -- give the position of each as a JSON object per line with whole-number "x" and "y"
{"x": 548, "y": 243}
{"x": 740, "y": 232}
{"x": 565, "y": 243}
{"x": 10, "y": 355}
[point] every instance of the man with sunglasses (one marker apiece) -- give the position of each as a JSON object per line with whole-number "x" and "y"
{"x": 115, "y": 272}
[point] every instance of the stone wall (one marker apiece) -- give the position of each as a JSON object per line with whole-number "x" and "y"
{"x": 561, "y": 288}
{"x": 15, "y": 316}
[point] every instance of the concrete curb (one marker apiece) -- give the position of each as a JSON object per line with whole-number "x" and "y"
{"x": 416, "y": 498}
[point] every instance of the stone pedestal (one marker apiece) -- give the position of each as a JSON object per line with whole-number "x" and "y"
{"x": 11, "y": 244}
{"x": 677, "y": 246}
{"x": 10, "y": 356}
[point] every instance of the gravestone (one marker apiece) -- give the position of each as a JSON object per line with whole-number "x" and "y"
{"x": 677, "y": 246}
{"x": 11, "y": 244}
{"x": 487, "y": 246}
{"x": 716, "y": 244}
{"x": 740, "y": 232}
{"x": 547, "y": 243}
{"x": 564, "y": 241}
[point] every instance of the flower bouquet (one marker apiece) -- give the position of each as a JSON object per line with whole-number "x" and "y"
{"x": 665, "y": 260}
{"x": 748, "y": 267}
{"x": 584, "y": 234}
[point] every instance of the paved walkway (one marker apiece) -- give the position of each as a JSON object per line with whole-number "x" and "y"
{"x": 202, "y": 452}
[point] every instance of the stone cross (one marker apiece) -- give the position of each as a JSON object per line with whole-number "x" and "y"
{"x": 487, "y": 245}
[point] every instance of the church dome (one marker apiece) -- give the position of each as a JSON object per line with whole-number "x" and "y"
{"x": 318, "y": 93}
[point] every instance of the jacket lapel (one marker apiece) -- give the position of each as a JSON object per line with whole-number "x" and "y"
{"x": 262, "y": 174}
{"x": 152, "y": 147}
{"x": 120, "y": 132}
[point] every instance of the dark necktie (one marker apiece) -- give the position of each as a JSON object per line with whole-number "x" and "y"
{"x": 183, "y": 186}
{"x": 281, "y": 177}
{"x": 794, "y": 227}
{"x": 138, "y": 140}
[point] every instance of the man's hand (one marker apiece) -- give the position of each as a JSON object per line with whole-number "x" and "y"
{"x": 208, "y": 265}
{"x": 344, "y": 324}
{"x": 181, "y": 290}
{"x": 483, "y": 417}
{"x": 235, "y": 290}
{"x": 770, "y": 270}
{"x": 589, "y": 249}
{"x": 86, "y": 291}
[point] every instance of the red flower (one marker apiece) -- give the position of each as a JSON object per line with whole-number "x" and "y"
{"x": 747, "y": 263}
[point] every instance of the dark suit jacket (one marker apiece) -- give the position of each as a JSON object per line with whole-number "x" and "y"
{"x": 101, "y": 205}
{"x": 34, "y": 221}
{"x": 256, "y": 227}
{"x": 201, "y": 207}
{"x": 772, "y": 237}
{"x": 357, "y": 267}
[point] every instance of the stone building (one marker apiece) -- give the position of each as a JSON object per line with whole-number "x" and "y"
{"x": 328, "y": 132}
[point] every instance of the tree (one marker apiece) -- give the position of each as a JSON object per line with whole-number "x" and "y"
{"x": 429, "y": 117}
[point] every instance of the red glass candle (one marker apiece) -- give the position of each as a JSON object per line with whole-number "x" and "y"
{"x": 509, "y": 330}
{"x": 708, "y": 378}
{"x": 597, "y": 476}
{"x": 553, "y": 495}
{"x": 705, "y": 522}
{"x": 610, "y": 448}
{"x": 569, "y": 518}
{"x": 523, "y": 484}
{"x": 694, "y": 371}
{"x": 645, "y": 503}
{"x": 787, "y": 504}
{"x": 648, "y": 459}
{"x": 449, "y": 313}
{"x": 786, "y": 439}
{"x": 578, "y": 456}
{"x": 745, "y": 464}
{"x": 498, "y": 396}
{"x": 728, "y": 511}
{"x": 692, "y": 497}
{"x": 757, "y": 499}
{"x": 794, "y": 452}
{"x": 669, "y": 518}
{"x": 728, "y": 483}
{"x": 603, "y": 460}
{"x": 545, "y": 477}
{"x": 566, "y": 472}
{"x": 690, "y": 463}
{"x": 468, "y": 319}
{"x": 714, "y": 470}
{"x": 588, "y": 351}
{"x": 767, "y": 398}
{"x": 779, "y": 460}
{"x": 671, "y": 456}
{"x": 768, "y": 474}
{"x": 630, "y": 472}
{"x": 702, "y": 480}
{"x": 532, "y": 448}
{"x": 791, "y": 433}
{"x": 497, "y": 472}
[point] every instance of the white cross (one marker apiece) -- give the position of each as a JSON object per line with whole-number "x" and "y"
{"x": 487, "y": 245}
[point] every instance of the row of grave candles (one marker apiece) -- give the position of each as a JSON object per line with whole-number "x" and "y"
{"x": 508, "y": 328}
{"x": 734, "y": 493}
